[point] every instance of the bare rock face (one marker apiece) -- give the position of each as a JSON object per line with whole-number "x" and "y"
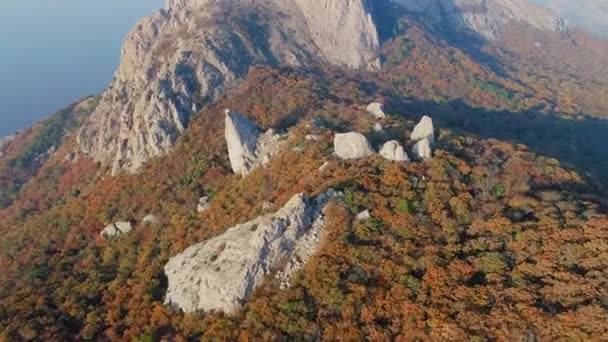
{"x": 248, "y": 147}
{"x": 220, "y": 273}
{"x": 116, "y": 229}
{"x": 186, "y": 55}
{"x": 377, "y": 110}
{"x": 394, "y": 151}
{"x": 352, "y": 146}
{"x": 422, "y": 150}
{"x": 4, "y": 141}
{"x": 484, "y": 17}
{"x": 424, "y": 130}
{"x": 204, "y": 203}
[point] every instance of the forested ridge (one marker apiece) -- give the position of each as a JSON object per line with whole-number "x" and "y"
{"x": 501, "y": 236}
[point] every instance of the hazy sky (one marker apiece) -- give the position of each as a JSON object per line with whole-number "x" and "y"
{"x": 55, "y": 52}
{"x": 591, "y": 14}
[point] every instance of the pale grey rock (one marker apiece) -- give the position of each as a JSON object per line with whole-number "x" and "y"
{"x": 204, "y": 203}
{"x": 115, "y": 229}
{"x": 378, "y": 128}
{"x": 364, "y": 215}
{"x": 377, "y": 110}
{"x": 188, "y": 54}
{"x": 312, "y": 137}
{"x": 248, "y": 148}
{"x": 424, "y": 130}
{"x": 4, "y": 142}
{"x": 324, "y": 167}
{"x": 222, "y": 272}
{"x": 394, "y": 151}
{"x": 352, "y": 146}
{"x": 484, "y": 17}
{"x": 242, "y": 139}
{"x": 422, "y": 150}
{"x": 151, "y": 219}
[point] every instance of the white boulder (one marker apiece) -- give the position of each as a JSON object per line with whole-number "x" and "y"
{"x": 364, "y": 215}
{"x": 424, "y": 130}
{"x": 422, "y": 150}
{"x": 151, "y": 219}
{"x": 248, "y": 147}
{"x": 352, "y": 146}
{"x": 220, "y": 273}
{"x": 204, "y": 203}
{"x": 394, "y": 151}
{"x": 377, "y": 110}
{"x": 116, "y": 229}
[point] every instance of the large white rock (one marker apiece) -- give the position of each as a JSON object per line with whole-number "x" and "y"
{"x": 424, "y": 130}
{"x": 394, "y": 151}
{"x": 242, "y": 139}
{"x": 422, "y": 150}
{"x": 377, "y": 110}
{"x": 115, "y": 229}
{"x": 184, "y": 56}
{"x": 220, "y": 273}
{"x": 352, "y": 146}
{"x": 248, "y": 148}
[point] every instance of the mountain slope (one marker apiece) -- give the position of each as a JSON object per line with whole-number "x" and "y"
{"x": 499, "y": 236}
{"x": 186, "y": 55}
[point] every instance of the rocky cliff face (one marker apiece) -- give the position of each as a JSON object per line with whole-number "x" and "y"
{"x": 188, "y": 54}
{"x": 485, "y": 17}
{"x": 221, "y": 273}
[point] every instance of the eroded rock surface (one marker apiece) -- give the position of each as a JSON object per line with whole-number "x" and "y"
{"x": 484, "y": 17}
{"x": 220, "y": 273}
{"x": 248, "y": 147}
{"x": 424, "y": 130}
{"x": 187, "y": 54}
{"x": 377, "y": 110}
{"x": 422, "y": 150}
{"x": 394, "y": 151}
{"x": 352, "y": 146}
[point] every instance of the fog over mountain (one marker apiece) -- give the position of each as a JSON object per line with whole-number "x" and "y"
{"x": 590, "y": 14}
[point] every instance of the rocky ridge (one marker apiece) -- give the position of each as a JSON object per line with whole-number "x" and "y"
{"x": 220, "y": 273}
{"x": 486, "y": 18}
{"x": 187, "y": 54}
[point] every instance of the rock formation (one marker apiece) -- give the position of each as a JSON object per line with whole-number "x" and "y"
{"x": 394, "y": 151}
{"x": 248, "y": 148}
{"x": 486, "y": 18}
{"x": 203, "y": 204}
{"x": 422, "y": 150}
{"x": 187, "y": 54}
{"x": 221, "y": 273}
{"x": 151, "y": 219}
{"x": 424, "y": 130}
{"x": 377, "y": 110}
{"x": 4, "y": 141}
{"x": 115, "y": 229}
{"x": 352, "y": 146}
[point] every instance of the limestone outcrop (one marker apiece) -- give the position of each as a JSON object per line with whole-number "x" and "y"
{"x": 352, "y": 145}
{"x": 248, "y": 147}
{"x": 394, "y": 151}
{"x": 115, "y": 229}
{"x": 222, "y": 272}
{"x": 422, "y": 150}
{"x": 377, "y": 110}
{"x": 204, "y": 203}
{"x": 188, "y": 54}
{"x": 486, "y": 18}
{"x": 424, "y": 130}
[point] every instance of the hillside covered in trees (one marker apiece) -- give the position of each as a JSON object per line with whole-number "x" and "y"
{"x": 500, "y": 236}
